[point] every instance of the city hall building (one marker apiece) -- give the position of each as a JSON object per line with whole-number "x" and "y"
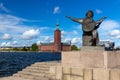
{"x": 57, "y": 45}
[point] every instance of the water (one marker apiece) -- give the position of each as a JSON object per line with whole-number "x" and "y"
{"x": 12, "y": 62}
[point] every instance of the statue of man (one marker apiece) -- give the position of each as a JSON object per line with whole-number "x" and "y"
{"x": 89, "y": 27}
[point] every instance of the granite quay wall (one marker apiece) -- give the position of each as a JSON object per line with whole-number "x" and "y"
{"x": 76, "y": 73}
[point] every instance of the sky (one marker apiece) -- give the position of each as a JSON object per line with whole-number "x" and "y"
{"x": 24, "y": 22}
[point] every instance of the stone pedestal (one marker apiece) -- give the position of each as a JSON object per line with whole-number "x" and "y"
{"x": 92, "y": 48}
{"x": 91, "y": 57}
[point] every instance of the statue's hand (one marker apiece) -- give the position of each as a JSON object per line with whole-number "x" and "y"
{"x": 68, "y": 17}
{"x": 104, "y": 17}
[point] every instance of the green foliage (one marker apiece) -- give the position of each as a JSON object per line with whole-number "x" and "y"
{"x": 74, "y": 48}
{"x": 15, "y": 49}
{"x": 24, "y": 49}
{"x": 34, "y": 47}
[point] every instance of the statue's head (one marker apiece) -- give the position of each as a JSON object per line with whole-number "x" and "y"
{"x": 90, "y": 14}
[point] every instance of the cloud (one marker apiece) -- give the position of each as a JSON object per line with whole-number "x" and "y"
{"x": 15, "y": 26}
{"x": 30, "y": 34}
{"x": 6, "y": 37}
{"x": 5, "y": 44}
{"x": 76, "y": 40}
{"x": 48, "y": 39}
{"x": 66, "y": 40}
{"x": 56, "y": 10}
{"x": 109, "y": 25}
{"x": 15, "y": 42}
{"x": 98, "y": 11}
{"x": 73, "y": 40}
{"x": 75, "y": 32}
{"x": 2, "y": 7}
{"x": 44, "y": 28}
{"x": 38, "y": 42}
{"x": 63, "y": 32}
{"x": 114, "y": 32}
{"x": 12, "y": 24}
{"x": 110, "y": 29}
{"x": 118, "y": 36}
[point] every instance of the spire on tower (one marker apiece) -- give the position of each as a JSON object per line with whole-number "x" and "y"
{"x": 57, "y": 25}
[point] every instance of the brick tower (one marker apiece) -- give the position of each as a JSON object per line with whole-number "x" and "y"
{"x": 57, "y": 39}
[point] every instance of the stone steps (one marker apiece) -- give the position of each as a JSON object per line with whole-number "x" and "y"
{"x": 37, "y": 67}
{"x": 46, "y": 63}
{"x": 37, "y": 71}
{"x": 33, "y": 73}
{"x": 30, "y": 77}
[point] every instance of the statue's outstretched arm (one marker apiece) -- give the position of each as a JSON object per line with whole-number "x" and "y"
{"x": 100, "y": 20}
{"x": 75, "y": 19}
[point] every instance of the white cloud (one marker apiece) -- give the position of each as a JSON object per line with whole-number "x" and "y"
{"x": 2, "y": 7}
{"x": 98, "y": 11}
{"x": 30, "y": 34}
{"x": 48, "y": 39}
{"x": 109, "y": 25}
{"x": 15, "y": 26}
{"x": 118, "y": 36}
{"x": 38, "y": 42}
{"x": 66, "y": 40}
{"x": 76, "y": 40}
{"x": 73, "y": 40}
{"x": 63, "y": 32}
{"x": 44, "y": 28}
{"x": 12, "y": 24}
{"x": 5, "y": 44}
{"x": 110, "y": 29}
{"x": 8, "y": 44}
{"x": 72, "y": 32}
{"x": 56, "y": 10}
{"x": 6, "y": 37}
{"x": 75, "y": 32}
{"x": 114, "y": 32}
{"x": 15, "y": 42}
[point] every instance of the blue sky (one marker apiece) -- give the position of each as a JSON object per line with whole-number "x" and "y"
{"x": 23, "y": 22}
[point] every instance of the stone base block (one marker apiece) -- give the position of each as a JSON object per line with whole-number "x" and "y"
{"x": 92, "y": 48}
{"x": 91, "y": 59}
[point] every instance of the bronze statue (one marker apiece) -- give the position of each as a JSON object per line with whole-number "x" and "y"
{"x": 89, "y": 27}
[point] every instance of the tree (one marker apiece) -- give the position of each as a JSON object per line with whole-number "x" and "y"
{"x": 24, "y": 49}
{"x": 15, "y": 49}
{"x": 74, "y": 48}
{"x": 34, "y": 47}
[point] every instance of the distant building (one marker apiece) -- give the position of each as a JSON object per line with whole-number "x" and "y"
{"x": 56, "y": 46}
{"x": 107, "y": 44}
